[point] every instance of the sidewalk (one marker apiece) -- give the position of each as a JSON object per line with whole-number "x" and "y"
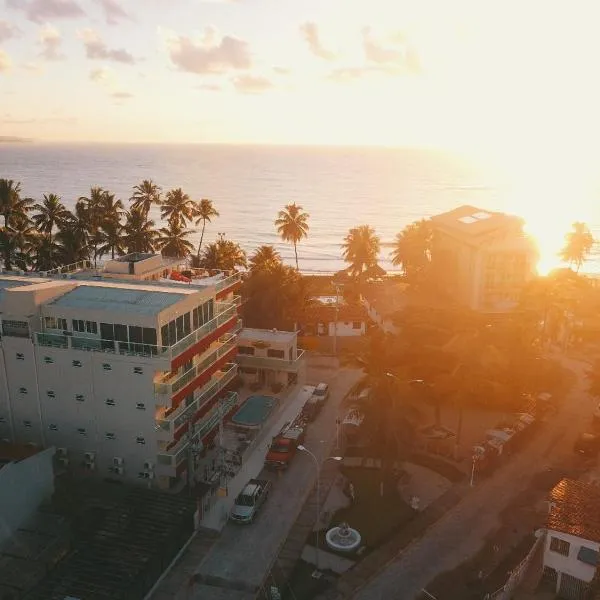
{"x": 254, "y": 462}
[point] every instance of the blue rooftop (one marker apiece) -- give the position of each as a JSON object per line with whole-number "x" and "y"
{"x": 117, "y": 299}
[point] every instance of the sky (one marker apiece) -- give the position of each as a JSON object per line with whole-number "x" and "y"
{"x": 517, "y": 77}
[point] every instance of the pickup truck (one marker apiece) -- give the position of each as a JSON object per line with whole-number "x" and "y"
{"x": 249, "y": 501}
{"x": 284, "y": 447}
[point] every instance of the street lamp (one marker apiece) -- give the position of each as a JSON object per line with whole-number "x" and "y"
{"x": 318, "y": 467}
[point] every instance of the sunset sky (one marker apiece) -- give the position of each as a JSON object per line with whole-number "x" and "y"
{"x": 515, "y": 74}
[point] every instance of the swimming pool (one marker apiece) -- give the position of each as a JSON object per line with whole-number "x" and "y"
{"x": 255, "y": 411}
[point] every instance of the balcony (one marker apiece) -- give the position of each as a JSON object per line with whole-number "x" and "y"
{"x": 174, "y": 384}
{"x": 225, "y": 311}
{"x": 170, "y": 423}
{"x": 276, "y": 364}
{"x": 227, "y": 282}
{"x": 178, "y": 453}
{"x": 237, "y": 300}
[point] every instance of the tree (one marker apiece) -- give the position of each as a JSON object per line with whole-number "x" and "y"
{"x": 205, "y": 211}
{"x": 177, "y": 208}
{"x": 92, "y": 214}
{"x": 73, "y": 237}
{"x": 145, "y": 195}
{"x": 51, "y": 214}
{"x": 140, "y": 235}
{"x": 361, "y": 249}
{"x": 112, "y": 239}
{"x": 264, "y": 257}
{"x": 43, "y": 251}
{"x": 292, "y": 225}
{"x": 412, "y": 249}
{"x": 12, "y": 207}
{"x": 578, "y": 245}
{"x": 172, "y": 241}
{"x": 224, "y": 255}
{"x": 274, "y": 295}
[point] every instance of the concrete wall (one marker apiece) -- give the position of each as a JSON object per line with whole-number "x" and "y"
{"x": 23, "y": 487}
{"x": 346, "y": 329}
{"x": 569, "y": 564}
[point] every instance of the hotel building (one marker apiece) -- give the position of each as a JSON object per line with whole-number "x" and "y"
{"x": 483, "y": 259}
{"x": 122, "y": 370}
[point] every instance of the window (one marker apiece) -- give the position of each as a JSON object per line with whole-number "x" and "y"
{"x": 77, "y": 363}
{"x": 110, "y": 402}
{"x": 50, "y": 394}
{"x": 27, "y": 424}
{"x": 110, "y": 436}
{"x": 79, "y": 397}
{"x": 91, "y": 327}
{"x": 22, "y": 390}
{"x": 559, "y": 546}
{"x": 140, "y": 440}
{"x": 356, "y": 324}
{"x": 107, "y": 367}
{"x": 78, "y": 325}
{"x": 55, "y": 323}
{"x": 275, "y": 353}
{"x": 81, "y": 431}
{"x": 246, "y": 350}
{"x": 20, "y": 356}
{"x": 82, "y": 326}
{"x": 53, "y": 427}
{"x": 48, "y": 360}
{"x": 140, "y": 406}
{"x": 138, "y": 370}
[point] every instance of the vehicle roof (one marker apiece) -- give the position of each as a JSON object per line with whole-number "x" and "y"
{"x": 322, "y": 386}
{"x": 250, "y": 489}
{"x": 293, "y": 433}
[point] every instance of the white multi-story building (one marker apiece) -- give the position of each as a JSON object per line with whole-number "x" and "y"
{"x": 122, "y": 373}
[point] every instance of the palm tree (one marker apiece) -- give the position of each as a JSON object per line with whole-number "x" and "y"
{"x": 578, "y": 245}
{"x": 92, "y": 214}
{"x": 205, "y": 211}
{"x": 51, "y": 213}
{"x": 361, "y": 249}
{"x": 145, "y": 195}
{"x": 113, "y": 240}
{"x": 292, "y": 225}
{"x": 44, "y": 251}
{"x": 264, "y": 257}
{"x": 21, "y": 241}
{"x": 172, "y": 241}
{"x": 223, "y": 255}
{"x": 11, "y": 206}
{"x": 412, "y": 249}
{"x": 112, "y": 210}
{"x": 140, "y": 235}
{"x": 177, "y": 208}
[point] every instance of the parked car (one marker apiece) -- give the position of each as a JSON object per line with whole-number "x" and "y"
{"x": 587, "y": 444}
{"x": 249, "y": 501}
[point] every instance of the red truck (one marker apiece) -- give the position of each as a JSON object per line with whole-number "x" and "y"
{"x": 285, "y": 445}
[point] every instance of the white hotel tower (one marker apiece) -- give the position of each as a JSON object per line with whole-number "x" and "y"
{"x": 119, "y": 369}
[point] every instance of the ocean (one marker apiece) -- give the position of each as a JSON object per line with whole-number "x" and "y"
{"x": 339, "y": 187}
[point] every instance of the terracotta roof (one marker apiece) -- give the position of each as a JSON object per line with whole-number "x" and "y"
{"x": 471, "y": 222}
{"x": 574, "y": 509}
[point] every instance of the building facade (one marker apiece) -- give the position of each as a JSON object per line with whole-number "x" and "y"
{"x": 572, "y": 542}
{"x": 270, "y": 357}
{"x": 123, "y": 371}
{"x": 482, "y": 259}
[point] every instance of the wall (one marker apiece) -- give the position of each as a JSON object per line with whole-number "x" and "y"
{"x": 23, "y": 487}
{"x": 569, "y": 564}
{"x": 346, "y": 329}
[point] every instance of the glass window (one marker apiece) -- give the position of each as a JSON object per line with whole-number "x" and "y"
{"x": 179, "y": 323}
{"x": 138, "y": 370}
{"x": 110, "y": 401}
{"x": 164, "y": 335}
{"x": 211, "y": 309}
{"x": 107, "y": 331}
{"x": 82, "y": 431}
{"x": 356, "y": 325}
{"x": 120, "y": 332}
{"x": 149, "y": 336}
{"x": 196, "y": 318}
{"x": 79, "y": 397}
{"x": 27, "y": 424}
{"x": 91, "y": 327}
{"x": 53, "y": 427}
{"x": 205, "y": 313}
{"x": 48, "y": 360}
{"x": 2, "y": 419}
{"x": 246, "y": 350}
{"x": 51, "y": 394}
{"x": 22, "y": 390}
{"x": 559, "y": 546}
{"x": 110, "y": 436}
{"x": 140, "y": 440}
{"x": 78, "y": 325}
{"x": 172, "y": 333}
{"x": 140, "y": 406}
{"x": 275, "y": 353}
{"x": 50, "y": 322}
{"x": 135, "y": 334}
{"x": 187, "y": 328}
{"x": 62, "y": 323}
{"x": 107, "y": 367}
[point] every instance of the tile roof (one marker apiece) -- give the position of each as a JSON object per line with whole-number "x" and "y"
{"x": 118, "y": 299}
{"x": 575, "y": 509}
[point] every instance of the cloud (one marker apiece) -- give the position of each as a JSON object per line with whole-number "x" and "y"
{"x": 96, "y": 49}
{"x": 209, "y": 55}
{"x": 310, "y": 32}
{"x": 113, "y": 12}
{"x": 101, "y": 75}
{"x": 40, "y": 11}
{"x": 399, "y": 53}
{"x": 122, "y": 95}
{"x": 8, "y": 31}
{"x": 348, "y": 74}
{"x": 251, "y": 84}
{"x": 50, "y": 41}
{"x": 210, "y": 87}
{"x": 5, "y": 62}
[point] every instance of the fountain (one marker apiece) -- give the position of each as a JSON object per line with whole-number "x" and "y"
{"x": 343, "y": 538}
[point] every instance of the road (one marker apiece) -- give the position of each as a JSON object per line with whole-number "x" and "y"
{"x": 460, "y": 534}
{"x": 243, "y": 555}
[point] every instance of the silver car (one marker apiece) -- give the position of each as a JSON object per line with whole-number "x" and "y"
{"x": 249, "y": 501}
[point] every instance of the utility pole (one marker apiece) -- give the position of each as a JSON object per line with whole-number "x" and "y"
{"x": 335, "y": 323}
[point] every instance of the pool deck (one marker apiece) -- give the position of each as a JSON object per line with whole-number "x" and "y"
{"x": 245, "y": 408}
{"x": 287, "y": 410}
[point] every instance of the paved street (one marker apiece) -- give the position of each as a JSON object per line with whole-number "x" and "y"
{"x": 460, "y": 534}
{"x": 243, "y": 555}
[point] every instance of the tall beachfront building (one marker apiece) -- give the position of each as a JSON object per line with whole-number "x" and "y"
{"x": 123, "y": 370}
{"x": 483, "y": 258}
